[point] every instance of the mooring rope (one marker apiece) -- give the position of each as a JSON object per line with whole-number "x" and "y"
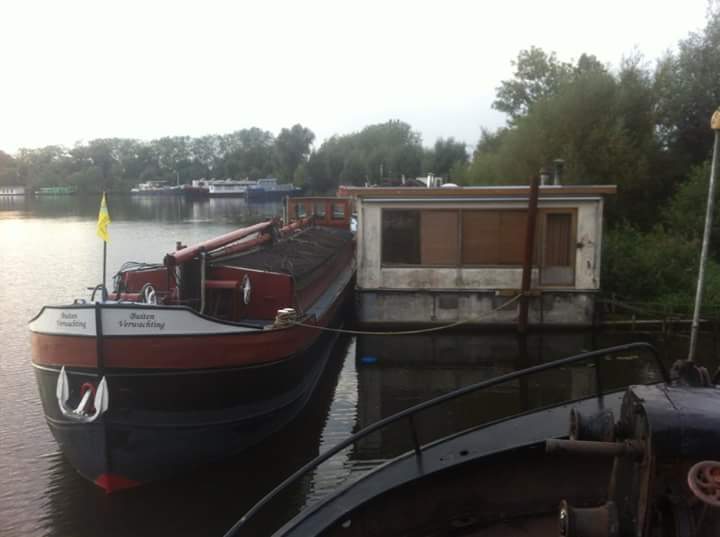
{"x": 405, "y": 332}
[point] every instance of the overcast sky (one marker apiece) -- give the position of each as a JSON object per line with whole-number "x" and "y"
{"x": 77, "y": 70}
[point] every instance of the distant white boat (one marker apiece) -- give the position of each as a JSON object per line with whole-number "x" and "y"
{"x": 6, "y": 191}
{"x": 153, "y": 188}
{"x": 229, "y": 187}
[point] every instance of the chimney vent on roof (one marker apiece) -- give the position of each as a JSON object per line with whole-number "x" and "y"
{"x": 544, "y": 176}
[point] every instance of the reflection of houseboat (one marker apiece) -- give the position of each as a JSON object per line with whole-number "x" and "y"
{"x": 440, "y": 255}
{"x": 229, "y": 187}
{"x": 268, "y": 188}
{"x": 156, "y": 188}
{"x": 196, "y": 358}
{"x": 7, "y": 191}
{"x": 56, "y": 191}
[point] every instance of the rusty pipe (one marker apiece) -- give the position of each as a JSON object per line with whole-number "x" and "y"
{"x": 186, "y": 254}
{"x": 240, "y": 247}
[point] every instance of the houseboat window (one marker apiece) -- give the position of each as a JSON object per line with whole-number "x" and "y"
{"x": 493, "y": 237}
{"x": 400, "y": 237}
{"x": 439, "y": 238}
{"x": 436, "y": 237}
{"x": 320, "y": 208}
{"x": 338, "y": 211}
{"x": 300, "y": 210}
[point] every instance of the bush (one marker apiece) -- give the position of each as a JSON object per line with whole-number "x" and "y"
{"x": 657, "y": 266}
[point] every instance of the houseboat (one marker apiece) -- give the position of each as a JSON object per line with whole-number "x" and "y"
{"x": 11, "y": 191}
{"x": 268, "y": 188}
{"x": 156, "y": 188}
{"x": 198, "y": 188}
{"x": 451, "y": 254}
{"x": 198, "y": 357}
{"x": 229, "y": 188}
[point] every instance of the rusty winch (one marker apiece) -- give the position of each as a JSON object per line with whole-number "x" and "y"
{"x": 665, "y": 479}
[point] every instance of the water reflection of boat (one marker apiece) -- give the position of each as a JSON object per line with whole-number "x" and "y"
{"x": 395, "y": 372}
{"x": 193, "y": 359}
{"x": 627, "y": 462}
{"x": 56, "y": 191}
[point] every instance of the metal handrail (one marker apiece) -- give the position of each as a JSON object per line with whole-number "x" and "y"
{"x": 410, "y": 412}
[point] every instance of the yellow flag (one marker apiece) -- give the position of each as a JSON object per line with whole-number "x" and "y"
{"x": 103, "y": 221}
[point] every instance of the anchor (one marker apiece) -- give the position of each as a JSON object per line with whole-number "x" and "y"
{"x": 86, "y": 411}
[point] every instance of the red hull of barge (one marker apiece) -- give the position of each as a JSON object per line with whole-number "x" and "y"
{"x": 205, "y": 372}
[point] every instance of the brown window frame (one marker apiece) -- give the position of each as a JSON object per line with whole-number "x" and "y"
{"x": 540, "y": 239}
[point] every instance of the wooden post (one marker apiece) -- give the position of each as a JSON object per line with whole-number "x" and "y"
{"x": 529, "y": 248}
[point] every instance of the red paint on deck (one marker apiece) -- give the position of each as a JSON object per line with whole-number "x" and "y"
{"x": 113, "y": 482}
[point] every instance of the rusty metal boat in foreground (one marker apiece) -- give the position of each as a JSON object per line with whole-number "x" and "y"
{"x": 642, "y": 461}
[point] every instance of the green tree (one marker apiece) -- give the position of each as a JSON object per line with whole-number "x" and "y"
{"x": 601, "y": 123}
{"x": 688, "y": 93}
{"x": 292, "y": 148}
{"x": 378, "y": 152}
{"x": 448, "y": 153}
{"x": 8, "y": 170}
{"x": 537, "y": 75}
{"x": 248, "y": 153}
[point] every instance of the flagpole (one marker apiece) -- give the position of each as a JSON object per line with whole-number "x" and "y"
{"x": 102, "y": 232}
{"x": 104, "y": 289}
{"x": 714, "y": 125}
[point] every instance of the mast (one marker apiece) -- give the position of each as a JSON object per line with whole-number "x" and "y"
{"x": 714, "y": 125}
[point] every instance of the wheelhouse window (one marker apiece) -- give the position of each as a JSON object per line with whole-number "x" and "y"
{"x": 338, "y": 211}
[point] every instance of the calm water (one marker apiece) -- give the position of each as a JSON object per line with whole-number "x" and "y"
{"x": 49, "y": 254}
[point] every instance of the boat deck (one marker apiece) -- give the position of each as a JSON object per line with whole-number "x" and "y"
{"x": 298, "y": 255}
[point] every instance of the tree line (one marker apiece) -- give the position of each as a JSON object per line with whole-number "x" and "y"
{"x": 120, "y": 163}
{"x": 382, "y": 152}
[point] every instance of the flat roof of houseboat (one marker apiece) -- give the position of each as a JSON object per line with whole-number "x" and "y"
{"x": 475, "y": 191}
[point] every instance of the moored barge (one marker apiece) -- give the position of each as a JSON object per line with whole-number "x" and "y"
{"x": 196, "y": 358}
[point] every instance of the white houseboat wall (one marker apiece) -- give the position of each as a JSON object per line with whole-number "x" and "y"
{"x": 442, "y": 255}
